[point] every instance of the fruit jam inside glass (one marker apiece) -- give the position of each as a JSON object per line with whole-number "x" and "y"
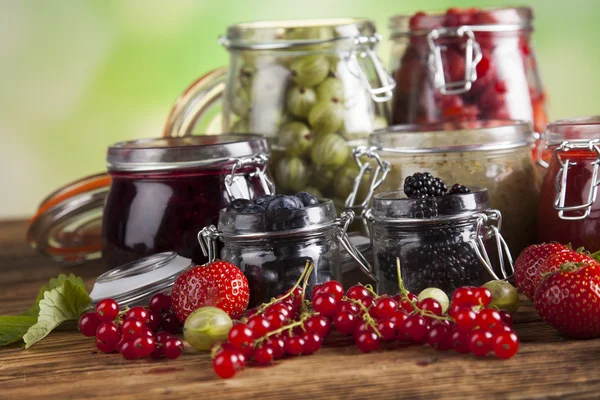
{"x": 149, "y": 213}
{"x": 583, "y": 232}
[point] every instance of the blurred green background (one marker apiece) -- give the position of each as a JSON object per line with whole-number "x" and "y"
{"x": 77, "y": 76}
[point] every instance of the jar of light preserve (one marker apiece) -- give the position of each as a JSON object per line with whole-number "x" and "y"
{"x": 310, "y": 86}
{"x": 491, "y": 154}
{"x": 465, "y": 65}
{"x": 569, "y": 209}
{"x": 444, "y": 242}
{"x": 164, "y": 191}
{"x": 274, "y": 247}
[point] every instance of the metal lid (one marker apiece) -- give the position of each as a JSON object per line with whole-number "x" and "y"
{"x": 572, "y": 129}
{"x": 453, "y": 137}
{"x": 68, "y": 223}
{"x": 172, "y": 153}
{"x": 395, "y": 207}
{"x": 136, "y": 282}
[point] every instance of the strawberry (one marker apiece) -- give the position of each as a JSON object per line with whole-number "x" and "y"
{"x": 528, "y": 263}
{"x": 569, "y": 300}
{"x": 218, "y": 284}
{"x": 555, "y": 261}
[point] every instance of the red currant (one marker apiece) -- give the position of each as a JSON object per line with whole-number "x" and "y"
{"x": 275, "y": 318}
{"x": 280, "y": 308}
{"x": 357, "y": 292}
{"x": 480, "y": 342}
{"x": 132, "y": 328}
{"x": 506, "y": 318}
{"x": 144, "y": 346}
{"x": 173, "y": 348}
{"x": 312, "y": 342}
{"x": 259, "y": 326}
{"x": 398, "y": 317}
{"x": 319, "y": 325}
{"x": 264, "y": 355}
{"x": 367, "y": 342}
{"x": 139, "y": 313}
{"x": 171, "y": 324}
{"x": 407, "y": 306}
{"x": 500, "y": 328}
{"x": 439, "y": 337}
{"x": 107, "y": 310}
{"x": 316, "y": 290}
{"x": 387, "y": 328}
{"x": 349, "y": 307}
{"x": 466, "y": 320}
{"x": 107, "y": 337}
{"x": 345, "y": 322}
{"x": 154, "y": 320}
{"x": 488, "y": 318}
{"x": 325, "y": 305}
{"x": 360, "y": 329}
{"x": 160, "y": 303}
{"x": 226, "y": 364}
{"x": 367, "y": 302}
{"x": 88, "y": 324}
{"x": 294, "y": 345}
{"x": 296, "y": 298}
{"x": 162, "y": 337}
{"x": 127, "y": 350}
{"x": 431, "y": 305}
{"x": 385, "y": 307}
{"x": 278, "y": 346}
{"x": 240, "y": 336}
{"x": 463, "y": 296}
{"x": 506, "y": 344}
{"x": 334, "y": 289}
{"x": 414, "y": 328}
{"x": 482, "y": 296}
{"x": 460, "y": 341}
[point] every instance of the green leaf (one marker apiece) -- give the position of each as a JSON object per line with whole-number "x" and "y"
{"x": 53, "y": 283}
{"x": 60, "y": 304}
{"x": 12, "y": 328}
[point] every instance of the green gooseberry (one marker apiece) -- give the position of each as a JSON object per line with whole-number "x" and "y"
{"x": 309, "y": 33}
{"x": 309, "y": 71}
{"x": 240, "y": 102}
{"x": 239, "y": 126}
{"x": 330, "y": 150}
{"x": 291, "y": 174}
{"x": 295, "y": 138}
{"x": 504, "y": 295}
{"x": 344, "y": 183}
{"x": 323, "y": 178}
{"x": 206, "y": 326}
{"x": 300, "y": 100}
{"x": 329, "y": 89}
{"x": 326, "y": 116}
{"x": 437, "y": 294}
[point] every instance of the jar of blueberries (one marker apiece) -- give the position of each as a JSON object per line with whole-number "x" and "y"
{"x": 163, "y": 191}
{"x": 274, "y": 238}
{"x": 444, "y": 241}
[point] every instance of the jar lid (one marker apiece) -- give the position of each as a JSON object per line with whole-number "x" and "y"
{"x": 68, "y": 223}
{"x": 308, "y": 220}
{"x": 453, "y": 137}
{"x": 395, "y": 207}
{"x": 169, "y": 153}
{"x": 572, "y": 129}
{"x": 136, "y": 282}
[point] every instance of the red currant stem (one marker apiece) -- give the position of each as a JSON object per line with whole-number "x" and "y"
{"x": 366, "y": 317}
{"x": 370, "y": 290}
{"x": 274, "y": 300}
{"x": 287, "y": 327}
{"x": 307, "y": 271}
{"x": 403, "y": 290}
{"x": 215, "y": 350}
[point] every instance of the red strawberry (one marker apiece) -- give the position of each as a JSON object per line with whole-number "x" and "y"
{"x": 528, "y": 263}
{"x": 218, "y": 284}
{"x": 569, "y": 300}
{"x": 555, "y": 261}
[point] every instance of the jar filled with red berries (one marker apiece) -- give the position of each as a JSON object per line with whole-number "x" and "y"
{"x": 466, "y": 64}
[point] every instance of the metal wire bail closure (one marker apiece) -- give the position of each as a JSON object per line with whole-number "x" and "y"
{"x": 261, "y": 162}
{"x": 486, "y": 229}
{"x": 381, "y": 172}
{"x": 472, "y": 57}
{"x": 344, "y": 222}
{"x": 207, "y": 238}
{"x": 383, "y": 93}
{"x": 563, "y": 173}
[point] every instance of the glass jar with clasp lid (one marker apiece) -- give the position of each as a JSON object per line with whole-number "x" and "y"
{"x": 273, "y": 248}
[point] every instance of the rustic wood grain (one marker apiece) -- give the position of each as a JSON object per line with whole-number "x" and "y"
{"x": 65, "y": 365}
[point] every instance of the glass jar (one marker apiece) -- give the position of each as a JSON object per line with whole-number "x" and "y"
{"x": 466, "y": 64}
{"x": 491, "y": 154}
{"x": 310, "y": 86}
{"x": 273, "y": 248}
{"x": 569, "y": 209}
{"x": 440, "y": 242}
{"x": 163, "y": 191}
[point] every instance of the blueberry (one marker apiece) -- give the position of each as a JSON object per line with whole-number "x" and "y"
{"x": 282, "y": 202}
{"x": 263, "y": 200}
{"x": 307, "y": 199}
{"x": 253, "y": 209}
{"x": 238, "y": 205}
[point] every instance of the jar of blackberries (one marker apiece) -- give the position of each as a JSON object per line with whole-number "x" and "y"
{"x": 466, "y": 64}
{"x": 437, "y": 241}
{"x": 274, "y": 238}
{"x": 310, "y": 86}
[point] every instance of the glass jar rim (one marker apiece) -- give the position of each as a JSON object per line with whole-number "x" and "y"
{"x": 171, "y": 153}
{"x": 509, "y": 19}
{"x": 453, "y": 137}
{"x": 580, "y": 128}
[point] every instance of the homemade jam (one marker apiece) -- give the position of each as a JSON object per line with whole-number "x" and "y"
{"x": 164, "y": 191}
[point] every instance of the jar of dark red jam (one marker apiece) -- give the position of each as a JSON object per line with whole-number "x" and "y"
{"x": 569, "y": 209}
{"x": 164, "y": 191}
{"x": 444, "y": 242}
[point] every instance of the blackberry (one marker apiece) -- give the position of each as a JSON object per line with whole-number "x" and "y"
{"x": 457, "y": 188}
{"x": 423, "y": 184}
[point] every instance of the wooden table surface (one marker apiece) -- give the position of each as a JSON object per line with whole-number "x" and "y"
{"x": 67, "y": 365}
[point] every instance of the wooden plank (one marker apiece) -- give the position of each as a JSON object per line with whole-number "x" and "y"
{"x": 66, "y": 364}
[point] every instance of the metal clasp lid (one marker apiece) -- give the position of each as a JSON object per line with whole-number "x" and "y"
{"x": 486, "y": 229}
{"x": 472, "y": 57}
{"x": 381, "y": 172}
{"x": 562, "y": 176}
{"x": 261, "y": 161}
{"x": 383, "y": 93}
{"x": 207, "y": 238}
{"x": 344, "y": 222}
